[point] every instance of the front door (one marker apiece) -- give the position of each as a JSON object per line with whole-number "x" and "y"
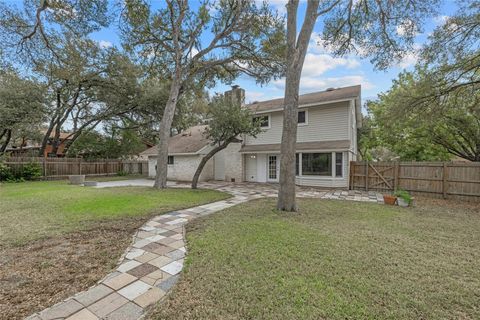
{"x": 272, "y": 168}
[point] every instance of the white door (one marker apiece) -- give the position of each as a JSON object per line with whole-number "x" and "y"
{"x": 250, "y": 167}
{"x": 219, "y": 164}
{"x": 273, "y": 168}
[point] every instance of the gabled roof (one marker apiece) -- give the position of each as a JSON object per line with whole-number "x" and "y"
{"x": 190, "y": 141}
{"x": 309, "y": 98}
{"x": 321, "y": 97}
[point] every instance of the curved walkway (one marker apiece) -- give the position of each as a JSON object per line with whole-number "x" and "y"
{"x": 151, "y": 265}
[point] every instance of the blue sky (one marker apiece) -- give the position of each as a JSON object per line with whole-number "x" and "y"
{"x": 321, "y": 70}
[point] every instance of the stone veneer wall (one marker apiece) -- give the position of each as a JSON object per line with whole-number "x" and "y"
{"x": 234, "y": 163}
{"x": 183, "y": 168}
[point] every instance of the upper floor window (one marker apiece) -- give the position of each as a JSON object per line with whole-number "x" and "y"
{"x": 170, "y": 160}
{"x": 302, "y": 117}
{"x": 263, "y": 120}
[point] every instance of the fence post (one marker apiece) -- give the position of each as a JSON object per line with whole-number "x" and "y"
{"x": 80, "y": 166}
{"x": 445, "y": 180}
{"x": 44, "y": 165}
{"x": 396, "y": 176}
{"x": 366, "y": 175}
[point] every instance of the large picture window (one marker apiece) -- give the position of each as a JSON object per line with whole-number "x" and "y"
{"x": 317, "y": 164}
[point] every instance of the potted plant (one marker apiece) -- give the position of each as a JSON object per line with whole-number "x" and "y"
{"x": 404, "y": 198}
{"x": 389, "y": 199}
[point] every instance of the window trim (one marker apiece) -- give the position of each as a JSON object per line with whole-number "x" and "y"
{"x": 306, "y": 118}
{"x": 319, "y": 177}
{"x": 268, "y": 117}
{"x": 331, "y": 173}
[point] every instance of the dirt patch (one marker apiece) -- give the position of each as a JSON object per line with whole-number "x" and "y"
{"x": 447, "y": 205}
{"x": 44, "y": 272}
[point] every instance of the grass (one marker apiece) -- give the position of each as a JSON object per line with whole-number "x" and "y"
{"x": 34, "y": 210}
{"x": 57, "y": 239}
{"x": 332, "y": 260}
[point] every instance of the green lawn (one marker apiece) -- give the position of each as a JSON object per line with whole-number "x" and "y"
{"x": 34, "y": 210}
{"x": 332, "y": 260}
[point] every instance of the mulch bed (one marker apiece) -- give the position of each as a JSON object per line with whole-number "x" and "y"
{"x": 44, "y": 272}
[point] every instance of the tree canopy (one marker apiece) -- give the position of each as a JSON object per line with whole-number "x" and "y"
{"x": 243, "y": 37}
{"x": 21, "y": 106}
{"x": 228, "y": 121}
{"x": 433, "y": 112}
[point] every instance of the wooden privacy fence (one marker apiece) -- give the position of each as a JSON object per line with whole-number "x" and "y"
{"x": 438, "y": 179}
{"x": 55, "y": 168}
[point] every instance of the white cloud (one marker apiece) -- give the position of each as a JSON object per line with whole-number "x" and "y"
{"x": 193, "y": 53}
{"x": 318, "y": 64}
{"x": 407, "y": 27}
{"x": 317, "y": 44}
{"x": 251, "y": 96}
{"x": 310, "y": 84}
{"x": 411, "y": 58}
{"x": 105, "y": 44}
{"x": 279, "y": 5}
{"x": 440, "y": 20}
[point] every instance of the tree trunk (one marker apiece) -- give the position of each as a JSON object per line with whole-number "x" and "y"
{"x": 7, "y": 140}
{"x": 204, "y": 161}
{"x": 45, "y": 139}
{"x": 296, "y": 51}
{"x": 164, "y": 135}
{"x": 56, "y": 139}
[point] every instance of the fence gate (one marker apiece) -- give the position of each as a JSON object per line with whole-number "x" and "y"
{"x": 373, "y": 176}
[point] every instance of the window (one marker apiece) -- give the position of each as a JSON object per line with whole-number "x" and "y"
{"x": 297, "y": 164}
{"x": 302, "y": 117}
{"x": 338, "y": 164}
{"x": 170, "y": 160}
{"x": 317, "y": 164}
{"x": 263, "y": 120}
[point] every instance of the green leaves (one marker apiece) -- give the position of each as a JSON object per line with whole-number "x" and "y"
{"x": 228, "y": 120}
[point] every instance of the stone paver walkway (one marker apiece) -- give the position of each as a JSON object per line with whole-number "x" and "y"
{"x": 151, "y": 265}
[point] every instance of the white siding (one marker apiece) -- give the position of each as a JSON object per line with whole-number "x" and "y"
{"x": 325, "y": 122}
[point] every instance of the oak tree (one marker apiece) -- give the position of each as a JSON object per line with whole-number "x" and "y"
{"x": 365, "y": 27}
{"x": 243, "y": 37}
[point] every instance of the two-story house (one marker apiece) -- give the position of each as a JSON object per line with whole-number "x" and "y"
{"x": 326, "y": 143}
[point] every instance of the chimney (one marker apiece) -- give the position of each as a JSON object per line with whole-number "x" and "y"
{"x": 236, "y": 94}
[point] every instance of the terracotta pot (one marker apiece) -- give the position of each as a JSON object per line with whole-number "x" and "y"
{"x": 389, "y": 199}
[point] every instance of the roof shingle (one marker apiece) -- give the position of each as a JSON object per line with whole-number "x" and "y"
{"x": 191, "y": 140}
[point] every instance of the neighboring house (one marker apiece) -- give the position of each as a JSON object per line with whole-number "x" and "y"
{"x": 28, "y": 147}
{"x": 326, "y": 143}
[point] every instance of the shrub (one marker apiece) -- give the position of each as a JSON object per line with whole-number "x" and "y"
{"x": 31, "y": 171}
{"x": 404, "y": 195}
{"x": 122, "y": 173}
{"x": 5, "y": 173}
